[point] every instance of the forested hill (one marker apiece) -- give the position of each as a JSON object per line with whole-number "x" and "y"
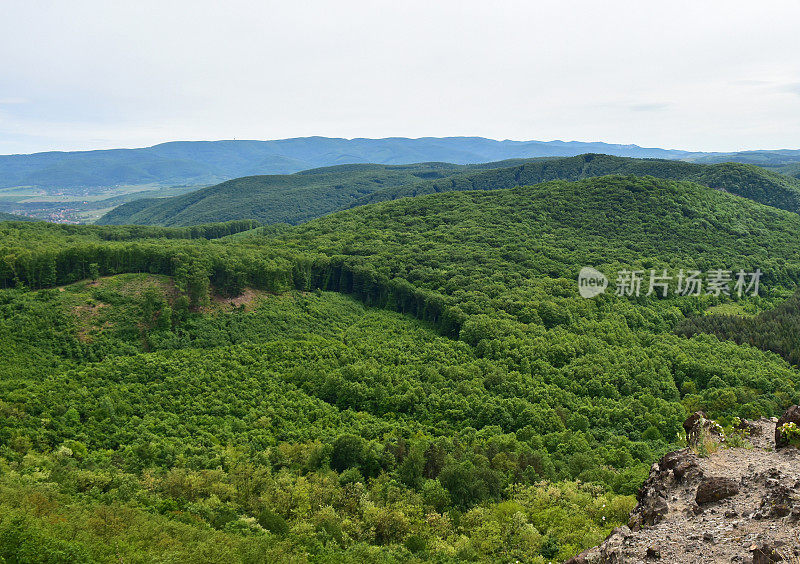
{"x": 775, "y": 159}
{"x": 179, "y": 398}
{"x": 790, "y": 170}
{"x": 12, "y": 217}
{"x": 744, "y": 180}
{"x": 606, "y": 220}
{"x": 290, "y": 198}
{"x": 208, "y": 162}
{"x": 299, "y": 197}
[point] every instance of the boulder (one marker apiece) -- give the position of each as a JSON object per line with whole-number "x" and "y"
{"x": 675, "y": 458}
{"x": 792, "y": 415}
{"x": 652, "y": 497}
{"x": 682, "y": 463}
{"x": 685, "y": 468}
{"x": 715, "y": 489}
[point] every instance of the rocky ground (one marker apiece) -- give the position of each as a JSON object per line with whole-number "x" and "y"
{"x": 734, "y": 505}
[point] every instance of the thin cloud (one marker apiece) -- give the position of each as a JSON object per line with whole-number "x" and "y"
{"x": 650, "y": 107}
{"x": 792, "y": 88}
{"x": 632, "y": 106}
{"x": 751, "y": 82}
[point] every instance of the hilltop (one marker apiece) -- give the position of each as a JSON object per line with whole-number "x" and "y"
{"x": 300, "y": 197}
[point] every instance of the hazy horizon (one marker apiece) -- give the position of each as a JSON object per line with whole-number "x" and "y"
{"x": 389, "y": 137}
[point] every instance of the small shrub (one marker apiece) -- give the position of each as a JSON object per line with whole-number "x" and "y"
{"x": 550, "y": 547}
{"x": 273, "y": 522}
{"x": 350, "y": 476}
{"x": 792, "y": 433}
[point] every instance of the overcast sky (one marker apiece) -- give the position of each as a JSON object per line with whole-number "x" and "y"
{"x": 698, "y": 75}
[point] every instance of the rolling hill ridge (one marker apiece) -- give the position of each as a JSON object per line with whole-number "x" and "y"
{"x": 302, "y": 196}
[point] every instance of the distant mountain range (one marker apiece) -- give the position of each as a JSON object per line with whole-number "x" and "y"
{"x": 296, "y": 198}
{"x": 211, "y": 162}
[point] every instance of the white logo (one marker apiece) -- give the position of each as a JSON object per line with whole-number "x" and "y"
{"x": 591, "y": 282}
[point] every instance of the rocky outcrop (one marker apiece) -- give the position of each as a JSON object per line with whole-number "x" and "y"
{"x": 792, "y": 415}
{"x": 698, "y": 427}
{"x": 610, "y": 551}
{"x": 652, "y": 504}
{"x": 748, "y": 428}
{"x": 692, "y": 424}
{"x": 735, "y": 505}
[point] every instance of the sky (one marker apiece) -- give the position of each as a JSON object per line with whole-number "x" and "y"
{"x": 696, "y": 75}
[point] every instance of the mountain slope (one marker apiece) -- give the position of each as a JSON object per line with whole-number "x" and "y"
{"x": 608, "y": 220}
{"x": 282, "y": 198}
{"x": 303, "y": 196}
{"x": 776, "y": 330}
{"x": 792, "y": 170}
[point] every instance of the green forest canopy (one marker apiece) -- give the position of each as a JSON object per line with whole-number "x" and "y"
{"x": 224, "y": 397}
